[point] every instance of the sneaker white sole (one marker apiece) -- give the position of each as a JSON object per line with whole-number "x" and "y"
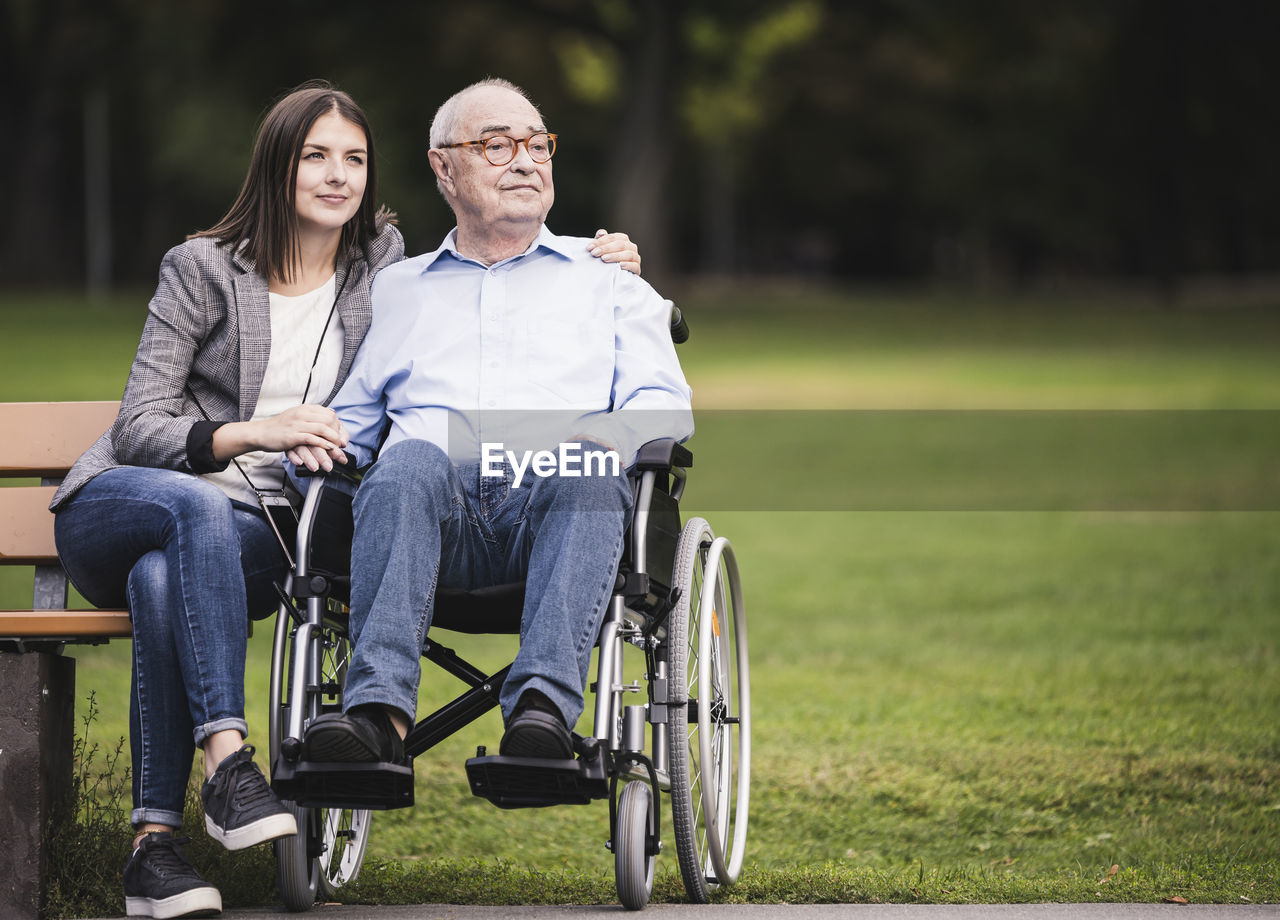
{"x": 198, "y": 902}
{"x": 259, "y": 831}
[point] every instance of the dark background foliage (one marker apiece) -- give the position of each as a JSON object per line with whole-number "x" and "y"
{"x": 990, "y": 140}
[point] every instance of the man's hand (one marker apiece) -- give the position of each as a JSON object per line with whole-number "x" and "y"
{"x": 583, "y": 438}
{"x": 315, "y": 458}
{"x": 616, "y": 247}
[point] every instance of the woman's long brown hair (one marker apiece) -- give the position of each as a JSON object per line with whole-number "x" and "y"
{"x": 264, "y": 216}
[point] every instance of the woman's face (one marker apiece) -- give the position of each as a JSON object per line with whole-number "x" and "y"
{"x": 332, "y": 171}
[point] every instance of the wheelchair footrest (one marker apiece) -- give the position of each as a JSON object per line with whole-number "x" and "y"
{"x": 378, "y": 786}
{"x": 527, "y": 782}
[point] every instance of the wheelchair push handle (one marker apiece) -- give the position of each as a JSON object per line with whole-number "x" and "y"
{"x": 679, "y": 326}
{"x": 348, "y": 471}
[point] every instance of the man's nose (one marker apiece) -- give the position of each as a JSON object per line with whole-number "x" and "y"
{"x": 523, "y": 161}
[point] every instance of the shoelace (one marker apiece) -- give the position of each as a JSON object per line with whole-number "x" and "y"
{"x": 250, "y": 786}
{"x": 165, "y": 857}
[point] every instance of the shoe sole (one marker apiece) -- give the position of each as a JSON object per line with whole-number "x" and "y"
{"x": 537, "y": 734}
{"x": 271, "y": 827}
{"x": 337, "y": 744}
{"x": 198, "y": 902}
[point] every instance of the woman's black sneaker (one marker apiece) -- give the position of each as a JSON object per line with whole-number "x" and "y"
{"x": 239, "y": 807}
{"x": 160, "y": 883}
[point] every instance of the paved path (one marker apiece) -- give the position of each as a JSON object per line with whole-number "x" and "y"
{"x": 783, "y": 912}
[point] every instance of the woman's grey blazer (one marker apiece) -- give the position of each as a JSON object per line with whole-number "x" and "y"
{"x": 208, "y": 335}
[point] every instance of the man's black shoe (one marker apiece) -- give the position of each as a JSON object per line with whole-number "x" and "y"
{"x": 160, "y": 883}
{"x": 239, "y": 807}
{"x": 537, "y": 730}
{"x": 365, "y": 734}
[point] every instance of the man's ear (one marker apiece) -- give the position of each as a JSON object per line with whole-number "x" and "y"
{"x": 442, "y": 167}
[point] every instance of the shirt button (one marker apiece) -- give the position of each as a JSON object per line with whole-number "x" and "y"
{"x": 492, "y": 403}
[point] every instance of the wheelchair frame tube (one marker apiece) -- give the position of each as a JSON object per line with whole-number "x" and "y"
{"x": 308, "y": 664}
{"x": 661, "y": 735}
{"x": 640, "y": 524}
{"x": 606, "y": 729}
{"x": 306, "y": 520}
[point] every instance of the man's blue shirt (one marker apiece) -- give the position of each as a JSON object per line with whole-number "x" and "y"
{"x": 548, "y": 346}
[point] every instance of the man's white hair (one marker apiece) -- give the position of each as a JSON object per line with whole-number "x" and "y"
{"x": 445, "y": 124}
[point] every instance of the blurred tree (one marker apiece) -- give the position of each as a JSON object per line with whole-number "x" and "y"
{"x": 617, "y": 60}
{"x": 675, "y": 69}
{"x": 728, "y": 103}
{"x": 48, "y": 49}
{"x": 989, "y": 142}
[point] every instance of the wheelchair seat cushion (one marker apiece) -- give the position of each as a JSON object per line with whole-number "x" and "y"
{"x": 493, "y": 609}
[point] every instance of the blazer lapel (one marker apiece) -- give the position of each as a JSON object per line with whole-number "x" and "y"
{"x": 253, "y": 308}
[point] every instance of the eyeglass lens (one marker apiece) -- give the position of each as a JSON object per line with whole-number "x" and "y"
{"x": 501, "y": 150}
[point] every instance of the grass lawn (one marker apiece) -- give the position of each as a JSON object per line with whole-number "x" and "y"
{"x": 976, "y": 699}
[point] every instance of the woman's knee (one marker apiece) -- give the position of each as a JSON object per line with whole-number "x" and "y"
{"x": 200, "y": 504}
{"x": 148, "y": 587}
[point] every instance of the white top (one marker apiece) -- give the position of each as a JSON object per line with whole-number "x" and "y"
{"x": 296, "y": 326}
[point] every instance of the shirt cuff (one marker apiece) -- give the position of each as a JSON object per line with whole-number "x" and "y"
{"x": 200, "y": 448}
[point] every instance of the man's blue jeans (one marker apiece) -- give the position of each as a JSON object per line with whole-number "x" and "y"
{"x": 422, "y": 523}
{"x": 190, "y": 564}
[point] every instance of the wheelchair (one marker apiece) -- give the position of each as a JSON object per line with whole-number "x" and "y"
{"x": 672, "y": 706}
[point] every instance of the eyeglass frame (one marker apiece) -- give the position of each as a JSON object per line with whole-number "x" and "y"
{"x": 515, "y": 146}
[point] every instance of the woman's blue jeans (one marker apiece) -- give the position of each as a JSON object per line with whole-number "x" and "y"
{"x": 191, "y": 565}
{"x": 422, "y": 523}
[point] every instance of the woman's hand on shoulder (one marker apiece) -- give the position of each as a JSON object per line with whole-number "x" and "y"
{"x": 616, "y": 247}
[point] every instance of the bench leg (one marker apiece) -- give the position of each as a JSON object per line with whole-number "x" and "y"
{"x": 36, "y": 735}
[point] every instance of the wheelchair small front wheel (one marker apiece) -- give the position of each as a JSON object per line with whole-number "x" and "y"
{"x": 710, "y": 715}
{"x": 634, "y": 845}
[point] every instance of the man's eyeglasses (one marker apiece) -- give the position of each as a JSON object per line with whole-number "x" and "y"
{"x": 501, "y": 150}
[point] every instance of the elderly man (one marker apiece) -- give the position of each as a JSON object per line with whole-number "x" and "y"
{"x": 514, "y": 378}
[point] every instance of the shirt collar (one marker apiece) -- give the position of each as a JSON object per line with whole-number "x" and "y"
{"x": 544, "y": 240}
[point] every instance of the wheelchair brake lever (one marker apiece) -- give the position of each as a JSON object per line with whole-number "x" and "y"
{"x": 660, "y": 615}
{"x": 294, "y": 613}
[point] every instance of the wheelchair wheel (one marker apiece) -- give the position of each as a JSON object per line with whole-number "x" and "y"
{"x": 633, "y": 861}
{"x": 710, "y": 722}
{"x": 329, "y": 848}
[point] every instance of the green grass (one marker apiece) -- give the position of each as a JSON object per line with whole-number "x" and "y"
{"x": 950, "y": 703}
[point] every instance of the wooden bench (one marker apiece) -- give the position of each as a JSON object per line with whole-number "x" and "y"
{"x": 37, "y": 722}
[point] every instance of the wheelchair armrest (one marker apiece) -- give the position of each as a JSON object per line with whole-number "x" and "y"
{"x": 663, "y": 454}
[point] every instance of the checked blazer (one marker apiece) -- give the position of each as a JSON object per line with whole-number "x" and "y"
{"x": 208, "y": 334}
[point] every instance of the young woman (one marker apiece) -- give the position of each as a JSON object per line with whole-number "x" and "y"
{"x": 252, "y": 329}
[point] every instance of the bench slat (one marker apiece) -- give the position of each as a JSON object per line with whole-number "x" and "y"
{"x": 26, "y": 534}
{"x": 64, "y": 624}
{"x": 45, "y": 438}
